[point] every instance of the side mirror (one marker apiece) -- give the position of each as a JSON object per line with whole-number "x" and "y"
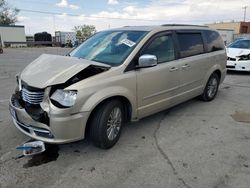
{"x": 147, "y": 61}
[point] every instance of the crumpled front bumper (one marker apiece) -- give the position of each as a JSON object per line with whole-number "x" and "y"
{"x": 238, "y": 65}
{"x": 63, "y": 128}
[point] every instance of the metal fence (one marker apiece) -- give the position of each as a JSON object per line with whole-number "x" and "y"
{"x": 31, "y": 44}
{"x": 239, "y": 36}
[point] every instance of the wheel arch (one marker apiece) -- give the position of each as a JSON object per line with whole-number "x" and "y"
{"x": 126, "y": 104}
{"x": 218, "y": 72}
{"x": 215, "y": 69}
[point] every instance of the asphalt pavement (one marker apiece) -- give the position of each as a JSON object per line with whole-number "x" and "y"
{"x": 193, "y": 145}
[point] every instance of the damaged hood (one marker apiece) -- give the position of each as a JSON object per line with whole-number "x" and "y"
{"x": 49, "y": 70}
{"x": 236, "y": 52}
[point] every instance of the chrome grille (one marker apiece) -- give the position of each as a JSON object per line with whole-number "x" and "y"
{"x": 32, "y": 97}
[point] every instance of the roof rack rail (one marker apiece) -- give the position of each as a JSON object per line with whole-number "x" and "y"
{"x": 184, "y": 25}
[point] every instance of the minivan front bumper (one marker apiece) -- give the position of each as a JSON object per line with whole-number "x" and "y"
{"x": 61, "y": 129}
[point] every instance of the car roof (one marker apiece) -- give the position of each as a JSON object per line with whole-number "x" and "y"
{"x": 162, "y": 27}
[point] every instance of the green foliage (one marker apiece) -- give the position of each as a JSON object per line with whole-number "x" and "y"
{"x": 83, "y": 32}
{"x": 8, "y": 15}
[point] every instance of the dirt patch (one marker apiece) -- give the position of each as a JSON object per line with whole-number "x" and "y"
{"x": 241, "y": 117}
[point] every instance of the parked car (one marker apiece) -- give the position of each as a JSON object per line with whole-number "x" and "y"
{"x": 116, "y": 76}
{"x": 238, "y": 55}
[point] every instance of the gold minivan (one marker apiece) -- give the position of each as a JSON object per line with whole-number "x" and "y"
{"x": 116, "y": 76}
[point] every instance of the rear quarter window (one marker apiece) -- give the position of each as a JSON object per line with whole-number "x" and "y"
{"x": 214, "y": 41}
{"x": 190, "y": 44}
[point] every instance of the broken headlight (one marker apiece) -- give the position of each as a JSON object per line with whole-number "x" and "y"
{"x": 65, "y": 98}
{"x": 18, "y": 80}
{"x": 244, "y": 57}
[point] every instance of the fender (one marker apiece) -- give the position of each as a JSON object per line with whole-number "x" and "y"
{"x": 211, "y": 70}
{"x": 109, "y": 92}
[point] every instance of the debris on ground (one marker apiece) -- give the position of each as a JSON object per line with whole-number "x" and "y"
{"x": 241, "y": 117}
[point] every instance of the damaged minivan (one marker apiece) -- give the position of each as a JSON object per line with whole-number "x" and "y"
{"x": 114, "y": 77}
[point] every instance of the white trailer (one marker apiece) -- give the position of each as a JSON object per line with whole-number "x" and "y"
{"x": 13, "y": 34}
{"x": 227, "y": 35}
{"x": 65, "y": 38}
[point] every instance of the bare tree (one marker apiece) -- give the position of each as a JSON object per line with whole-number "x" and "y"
{"x": 8, "y": 15}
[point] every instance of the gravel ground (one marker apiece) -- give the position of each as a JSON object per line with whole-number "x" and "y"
{"x": 194, "y": 144}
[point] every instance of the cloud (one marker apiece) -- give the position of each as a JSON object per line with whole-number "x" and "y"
{"x": 129, "y": 9}
{"x": 156, "y": 12}
{"x": 65, "y": 4}
{"x": 181, "y": 11}
{"x": 22, "y": 18}
{"x": 113, "y": 2}
{"x": 74, "y": 7}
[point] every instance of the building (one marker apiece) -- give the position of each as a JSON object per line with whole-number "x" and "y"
{"x": 238, "y": 27}
{"x": 13, "y": 34}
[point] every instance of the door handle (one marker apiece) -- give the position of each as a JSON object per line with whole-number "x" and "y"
{"x": 172, "y": 69}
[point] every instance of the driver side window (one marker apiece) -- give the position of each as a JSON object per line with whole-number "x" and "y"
{"x": 162, "y": 47}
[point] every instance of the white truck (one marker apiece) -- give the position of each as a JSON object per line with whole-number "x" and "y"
{"x": 65, "y": 38}
{"x": 227, "y": 35}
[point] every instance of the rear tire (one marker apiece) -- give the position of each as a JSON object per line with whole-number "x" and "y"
{"x": 106, "y": 124}
{"x": 211, "y": 88}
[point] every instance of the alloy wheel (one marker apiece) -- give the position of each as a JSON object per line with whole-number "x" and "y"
{"x": 114, "y": 123}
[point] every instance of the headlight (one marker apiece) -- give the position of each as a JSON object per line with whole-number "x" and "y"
{"x": 66, "y": 98}
{"x": 244, "y": 57}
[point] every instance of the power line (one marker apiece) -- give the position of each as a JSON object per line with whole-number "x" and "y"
{"x": 77, "y": 15}
{"x": 30, "y": 1}
{"x": 115, "y": 18}
{"x": 49, "y": 3}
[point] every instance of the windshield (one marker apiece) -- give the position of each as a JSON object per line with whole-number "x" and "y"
{"x": 245, "y": 44}
{"x": 109, "y": 47}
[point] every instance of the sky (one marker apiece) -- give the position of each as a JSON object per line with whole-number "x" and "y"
{"x": 63, "y": 15}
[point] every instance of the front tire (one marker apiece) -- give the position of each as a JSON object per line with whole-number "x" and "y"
{"x": 211, "y": 88}
{"x": 106, "y": 124}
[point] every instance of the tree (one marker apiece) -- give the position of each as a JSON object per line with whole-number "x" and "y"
{"x": 84, "y": 31}
{"x": 8, "y": 15}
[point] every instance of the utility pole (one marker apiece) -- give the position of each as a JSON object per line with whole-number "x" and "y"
{"x": 245, "y": 12}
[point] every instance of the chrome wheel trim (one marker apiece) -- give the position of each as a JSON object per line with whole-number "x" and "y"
{"x": 212, "y": 87}
{"x": 114, "y": 123}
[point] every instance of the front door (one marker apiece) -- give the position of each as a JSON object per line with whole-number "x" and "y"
{"x": 157, "y": 87}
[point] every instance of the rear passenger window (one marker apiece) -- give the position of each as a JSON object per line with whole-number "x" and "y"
{"x": 190, "y": 44}
{"x": 162, "y": 47}
{"x": 214, "y": 41}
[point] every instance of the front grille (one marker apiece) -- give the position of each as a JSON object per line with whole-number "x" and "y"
{"x": 32, "y": 97}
